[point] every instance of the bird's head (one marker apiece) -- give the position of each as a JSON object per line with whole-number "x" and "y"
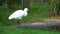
{"x": 25, "y": 9}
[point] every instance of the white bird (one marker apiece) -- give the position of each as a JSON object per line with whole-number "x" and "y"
{"x": 18, "y": 14}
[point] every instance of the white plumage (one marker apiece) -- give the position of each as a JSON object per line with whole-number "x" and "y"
{"x": 18, "y": 14}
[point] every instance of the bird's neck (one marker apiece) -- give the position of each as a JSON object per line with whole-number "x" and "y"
{"x": 25, "y": 10}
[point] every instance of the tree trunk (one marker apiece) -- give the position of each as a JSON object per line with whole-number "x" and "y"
{"x": 26, "y": 4}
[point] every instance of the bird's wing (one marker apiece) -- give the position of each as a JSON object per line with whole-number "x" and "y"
{"x": 16, "y": 14}
{"x": 25, "y": 13}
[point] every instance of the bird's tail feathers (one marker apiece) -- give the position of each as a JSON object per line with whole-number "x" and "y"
{"x": 10, "y": 18}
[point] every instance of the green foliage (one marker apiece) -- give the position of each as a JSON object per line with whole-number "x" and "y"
{"x": 4, "y": 14}
{"x": 36, "y": 13}
{"x": 55, "y": 6}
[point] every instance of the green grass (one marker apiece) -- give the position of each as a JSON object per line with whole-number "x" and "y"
{"x": 11, "y": 30}
{"x": 4, "y": 14}
{"x": 36, "y": 13}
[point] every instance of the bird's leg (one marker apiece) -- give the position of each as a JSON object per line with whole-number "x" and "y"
{"x": 18, "y": 21}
